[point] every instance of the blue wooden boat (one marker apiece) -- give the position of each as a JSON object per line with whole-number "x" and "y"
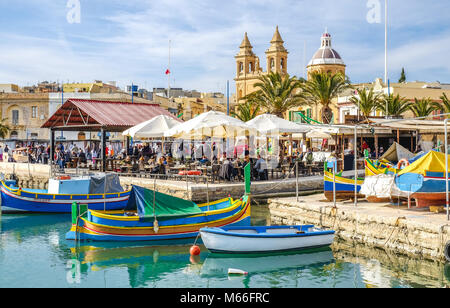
{"x": 101, "y": 192}
{"x": 263, "y": 239}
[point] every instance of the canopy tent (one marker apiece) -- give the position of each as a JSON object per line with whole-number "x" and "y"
{"x": 153, "y": 128}
{"x": 396, "y": 153}
{"x": 425, "y": 126}
{"x": 432, "y": 162}
{"x": 269, "y": 124}
{"x": 210, "y": 124}
{"x": 150, "y": 204}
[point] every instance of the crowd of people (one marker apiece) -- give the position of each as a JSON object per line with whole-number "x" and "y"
{"x": 158, "y": 158}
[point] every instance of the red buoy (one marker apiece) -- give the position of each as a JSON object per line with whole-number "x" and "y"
{"x": 195, "y": 250}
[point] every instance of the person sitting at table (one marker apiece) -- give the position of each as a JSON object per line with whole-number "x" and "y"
{"x": 226, "y": 171}
{"x": 223, "y": 158}
{"x": 261, "y": 168}
{"x": 82, "y": 157}
{"x": 204, "y": 160}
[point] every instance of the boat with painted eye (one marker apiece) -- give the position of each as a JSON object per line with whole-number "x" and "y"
{"x": 99, "y": 192}
{"x": 264, "y": 239}
{"x": 156, "y": 217}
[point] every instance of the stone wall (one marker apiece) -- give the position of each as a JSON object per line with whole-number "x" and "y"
{"x": 416, "y": 234}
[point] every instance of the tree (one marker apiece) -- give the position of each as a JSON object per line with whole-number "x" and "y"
{"x": 396, "y": 105}
{"x": 4, "y": 129}
{"x": 444, "y": 107}
{"x": 423, "y": 107}
{"x": 322, "y": 88}
{"x": 277, "y": 94}
{"x": 402, "y": 76}
{"x": 366, "y": 101}
{"x": 248, "y": 110}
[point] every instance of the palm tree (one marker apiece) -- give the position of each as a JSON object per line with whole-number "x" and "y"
{"x": 423, "y": 107}
{"x": 277, "y": 94}
{"x": 366, "y": 101}
{"x": 444, "y": 107}
{"x": 248, "y": 110}
{"x": 396, "y": 105}
{"x": 4, "y": 129}
{"x": 322, "y": 88}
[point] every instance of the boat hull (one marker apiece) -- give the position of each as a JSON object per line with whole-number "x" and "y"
{"x": 283, "y": 239}
{"x": 132, "y": 229}
{"x": 18, "y": 200}
{"x": 426, "y": 190}
{"x": 345, "y": 188}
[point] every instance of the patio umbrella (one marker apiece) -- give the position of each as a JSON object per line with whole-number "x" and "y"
{"x": 318, "y": 134}
{"x": 153, "y": 128}
{"x": 269, "y": 124}
{"x": 210, "y": 124}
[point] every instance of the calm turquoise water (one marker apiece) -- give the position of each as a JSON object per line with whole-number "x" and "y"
{"x": 34, "y": 253}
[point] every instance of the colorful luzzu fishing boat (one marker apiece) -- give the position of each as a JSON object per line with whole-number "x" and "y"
{"x": 159, "y": 218}
{"x": 173, "y": 219}
{"x": 377, "y": 167}
{"x": 345, "y": 187}
{"x": 99, "y": 192}
{"x": 424, "y": 180}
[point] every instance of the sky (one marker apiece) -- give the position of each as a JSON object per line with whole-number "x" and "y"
{"x": 127, "y": 41}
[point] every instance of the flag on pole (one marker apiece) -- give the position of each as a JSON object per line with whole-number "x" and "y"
{"x": 168, "y": 72}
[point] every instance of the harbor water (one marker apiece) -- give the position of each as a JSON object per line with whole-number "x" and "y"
{"x": 34, "y": 253}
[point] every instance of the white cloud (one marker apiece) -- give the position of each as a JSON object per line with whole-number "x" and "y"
{"x": 129, "y": 41}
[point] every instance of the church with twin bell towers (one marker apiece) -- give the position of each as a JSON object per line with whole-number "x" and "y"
{"x": 248, "y": 66}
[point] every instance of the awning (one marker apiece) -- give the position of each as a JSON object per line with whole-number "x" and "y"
{"x": 93, "y": 115}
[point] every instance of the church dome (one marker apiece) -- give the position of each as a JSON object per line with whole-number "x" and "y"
{"x": 326, "y": 54}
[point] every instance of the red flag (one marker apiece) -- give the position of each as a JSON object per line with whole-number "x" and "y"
{"x": 167, "y": 72}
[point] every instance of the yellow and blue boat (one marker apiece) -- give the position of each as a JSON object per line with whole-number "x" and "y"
{"x": 345, "y": 187}
{"x": 377, "y": 167}
{"x": 99, "y": 193}
{"x": 159, "y": 218}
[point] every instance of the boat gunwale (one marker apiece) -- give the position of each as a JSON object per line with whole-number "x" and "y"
{"x": 243, "y": 210}
{"x": 221, "y": 231}
{"x": 106, "y": 196}
{"x": 233, "y": 205}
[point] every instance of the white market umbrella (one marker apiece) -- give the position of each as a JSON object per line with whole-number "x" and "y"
{"x": 210, "y": 124}
{"x": 318, "y": 134}
{"x": 153, "y": 128}
{"x": 269, "y": 124}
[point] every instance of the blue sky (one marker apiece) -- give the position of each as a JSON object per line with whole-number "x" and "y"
{"x": 128, "y": 40}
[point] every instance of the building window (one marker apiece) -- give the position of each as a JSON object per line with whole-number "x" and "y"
{"x": 34, "y": 112}
{"x": 14, "y": 135}
{"x": 272, "y": 64}
{"x": 34, "y": 135}
{"x": 15, "y": 117}
{"x": 241, "y": 67}
{"x": 282, "y": 63}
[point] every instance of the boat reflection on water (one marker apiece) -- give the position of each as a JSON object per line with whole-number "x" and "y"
{"x": 218, "y": 264}
{"x": 145, "y": 264}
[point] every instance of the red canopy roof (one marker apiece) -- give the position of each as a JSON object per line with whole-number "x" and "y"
{"x": 92, "y": 115}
